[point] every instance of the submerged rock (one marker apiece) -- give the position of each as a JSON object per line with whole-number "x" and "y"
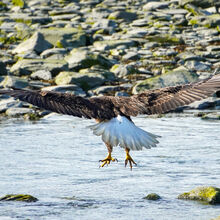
{"x": 19, "y": 197}
{"x": 152, "y": 196}
{"x": 208, "y": 194}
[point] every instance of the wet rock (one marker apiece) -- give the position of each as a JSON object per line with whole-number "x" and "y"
{"x": 27, "y": 66}
{"x": 83, "y": 58}
{"x": 177, "y": 76}
{"x": 152, "y": 196}
{"x": 8, "y": 103}
{"x": 208, "y": 103}
{"x": 13, "y": 81}
{"x": 208, "y": 194}
{"x": 15, "y": 112}
{"x": 19, "y": 197}
{"x": 42, "y": 75}
{"x": 211, "y": 116}
{"x": 36, "y": 43}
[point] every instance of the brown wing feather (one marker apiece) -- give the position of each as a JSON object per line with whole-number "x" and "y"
{"x": 65, "y": 103}
{"x": 166, "y": 99}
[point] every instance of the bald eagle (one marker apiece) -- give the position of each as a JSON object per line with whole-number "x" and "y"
{"x": 113, "y": 114}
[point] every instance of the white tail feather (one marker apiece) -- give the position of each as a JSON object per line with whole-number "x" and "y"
{"x": 121, "y": 131}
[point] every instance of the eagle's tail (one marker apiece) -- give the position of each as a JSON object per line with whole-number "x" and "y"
{"x": 123, "y": 132}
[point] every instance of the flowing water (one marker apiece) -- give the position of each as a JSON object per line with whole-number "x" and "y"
{"x": 56, "y": 160}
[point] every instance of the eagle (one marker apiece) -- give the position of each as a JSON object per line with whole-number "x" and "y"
{"x": 113, "y": 114}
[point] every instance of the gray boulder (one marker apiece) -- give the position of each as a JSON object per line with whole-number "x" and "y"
{"x": 85, "y": 80}
{"x": 42, "y": 75}
{"x": 83, "y": 58}
{"x": 27, "y": 66}
{"x": 13, "y": 81}
{"x": 73, "y": 89}
{"x": 175, "y": 77}
{"x": 36, "y": 43}
{"x": 65, "y": 37}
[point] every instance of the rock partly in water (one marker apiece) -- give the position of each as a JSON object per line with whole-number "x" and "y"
{"x": 16, "y": 112}
{"x": 208, "y": 194}
{"x": 152, "y": 196}
{"x": 211, "y": 116}
{"x": 8, "y": 103}
{"x": 19, "y": 197}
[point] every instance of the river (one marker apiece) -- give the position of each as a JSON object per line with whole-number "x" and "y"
{"x": 56, "y": 160}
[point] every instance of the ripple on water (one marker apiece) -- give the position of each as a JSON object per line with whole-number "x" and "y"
{"x": 58, "y": 157}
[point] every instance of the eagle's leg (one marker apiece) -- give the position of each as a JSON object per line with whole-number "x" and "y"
{"x": 129, "y": 158}
{"x": 109, "y": 157}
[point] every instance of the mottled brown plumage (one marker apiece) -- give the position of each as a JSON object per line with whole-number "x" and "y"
{"x": 106, "y": 107}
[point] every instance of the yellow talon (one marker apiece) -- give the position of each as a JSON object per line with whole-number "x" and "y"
{"x": 107, "y": 160}
{"x": 129, "y": 159}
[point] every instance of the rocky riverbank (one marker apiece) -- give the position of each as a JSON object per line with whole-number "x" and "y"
{"x": 106, "y": 47}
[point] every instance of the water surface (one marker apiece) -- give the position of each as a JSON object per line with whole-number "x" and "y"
{"x": 56, "y": 160}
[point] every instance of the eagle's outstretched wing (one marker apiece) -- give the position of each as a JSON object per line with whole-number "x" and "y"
{"x": 106, "y": 107}
{"x": 65, "y": 103}
{"x": 163, "y": 100}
